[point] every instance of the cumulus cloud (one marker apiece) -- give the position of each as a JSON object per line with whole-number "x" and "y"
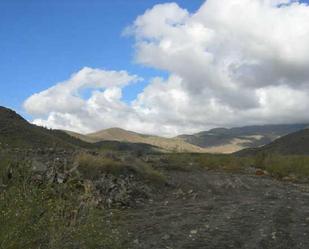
{"x": 232, "y": 62}
{"x": 63, "y": 106}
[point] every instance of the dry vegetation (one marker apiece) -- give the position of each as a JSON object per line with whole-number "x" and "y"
{"x": 279, "y": 166}
{"x": 294, "y": 167}
{"x": 50, "y": 216}
{"x": 92, "y": 166}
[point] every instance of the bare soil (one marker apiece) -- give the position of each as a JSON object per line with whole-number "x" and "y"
{"x": 217, "y": 210}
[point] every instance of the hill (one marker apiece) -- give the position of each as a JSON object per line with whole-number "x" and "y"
{"x": 16, "y": 132}
{"x": 121, "y": 135}
{"x": 296, "y": 143}
{"x": 238, "y": 138}
{"x": 218, "y": 140}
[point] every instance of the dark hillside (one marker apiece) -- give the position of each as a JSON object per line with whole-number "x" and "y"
{"x": 293, "y": 144}
{"x": 251, "y": 136}
{"x": 17, "y": 132}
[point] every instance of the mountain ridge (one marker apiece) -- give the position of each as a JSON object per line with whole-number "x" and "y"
{"x": 217, "y": 140}
{"x": 122, "y": 135}
{"x": 296, "y": 143}
{"x": 17, "y": 132}
{"x": 242, "y": 137}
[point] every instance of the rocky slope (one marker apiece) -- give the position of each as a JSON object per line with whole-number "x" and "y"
{"x": 220, "y": 210}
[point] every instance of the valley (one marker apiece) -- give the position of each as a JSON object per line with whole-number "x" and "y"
{"x": 219, "y": 140}
{"x": 154, "y": 124}
{"x": 62, "y": 192}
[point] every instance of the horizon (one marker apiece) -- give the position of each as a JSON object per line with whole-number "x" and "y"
{"x": 155, "y": 67}
{"x": 113, "y": 128}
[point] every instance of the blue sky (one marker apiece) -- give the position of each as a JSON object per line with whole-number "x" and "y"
{"x": 225, "y": 65}
{"x": 43, "y": 42}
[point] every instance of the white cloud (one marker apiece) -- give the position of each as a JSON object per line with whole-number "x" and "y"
{"x": 232, "y": 62}
{"x": 66, "y": 96}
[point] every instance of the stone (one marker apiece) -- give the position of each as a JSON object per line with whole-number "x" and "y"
{"x": 166, "y": 237}
{"x": 259, "y": 172}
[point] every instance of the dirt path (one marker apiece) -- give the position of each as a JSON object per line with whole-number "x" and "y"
{"x": 221, "y": 210}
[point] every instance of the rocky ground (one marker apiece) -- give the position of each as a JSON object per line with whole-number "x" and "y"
{"x": 206, "y": 209}
{"x": 200, "y": 209}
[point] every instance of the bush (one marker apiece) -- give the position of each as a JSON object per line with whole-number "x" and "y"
{"x": 281, "y": 166}
{"x": 92, "y": 167}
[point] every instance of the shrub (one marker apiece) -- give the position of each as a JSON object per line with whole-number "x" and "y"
{"x": 92, "y": 167}
{"x": 51, "y": 216}
{"x": 281, "y": 166}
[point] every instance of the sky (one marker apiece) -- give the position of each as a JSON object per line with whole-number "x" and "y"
{"x": 155, "y": 67}
{"x": 45, "y": 41}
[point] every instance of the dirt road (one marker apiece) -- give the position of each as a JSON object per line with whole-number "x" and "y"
{"x": 215, "y": 210}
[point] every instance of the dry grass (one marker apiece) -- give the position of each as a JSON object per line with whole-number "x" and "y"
{"x": 281, "y": 166}
{"x": 50, "y": 216}
{"x": 93, "y": 167}
{"x": 189, "y": 162}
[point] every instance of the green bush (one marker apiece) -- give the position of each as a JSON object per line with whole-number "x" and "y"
{"x": 281, "y": 166}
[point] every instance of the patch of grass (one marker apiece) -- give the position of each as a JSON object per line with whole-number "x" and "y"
{"x": 93, "y": 166}
{"x": 225, "y": 162}
{"x": 277, "y": 165}
{"x": 51, "y": 216}
{"x": 282, "y": 166}
{"x": 149, "y": 173}
{"x": 187, "y": 162}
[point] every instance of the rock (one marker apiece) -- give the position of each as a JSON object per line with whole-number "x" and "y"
{"x": 260, "y": 172}
{"x": 121, "y": 192}
{"x": 61, "y": 178}
{"x": 38, "y": 166}
{"x": 289, "y": 178}
{"x": 250, "y": 170}
{"x": 166, "y": 237}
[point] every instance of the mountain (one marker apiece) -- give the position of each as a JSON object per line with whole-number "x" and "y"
{"x": 218, "y": 140}
{"x": 296, "y": 143}
{"x": 16, "y": 132}
{"x": 235, "y": 139}
{"x": 121, "y": 135}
